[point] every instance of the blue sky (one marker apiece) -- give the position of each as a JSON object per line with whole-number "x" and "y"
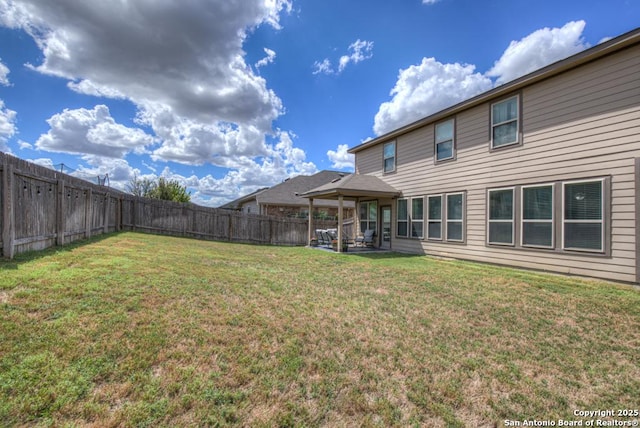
{"x": 229, "y": 96}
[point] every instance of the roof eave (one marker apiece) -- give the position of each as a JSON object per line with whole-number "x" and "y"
{"x": 623, "y": 41}
{"x": 346, "y": 193}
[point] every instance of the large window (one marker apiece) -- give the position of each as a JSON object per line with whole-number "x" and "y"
{"x": 368, "y": 216}
{"x": 444, "y": 140}
{"x": 434, "y": 217}
{"x": 403, "y": 218}
{"x": 445, "y": 217}
{"x": 578, "y": 214}
{"x": 389, "y": 156}
{"x": 417, "y": 217}
{"x": 583, "y": 215}
{"x": 455, "y": 215}
{"x": 501, "y": 218}
{"x": 505, "y": 120}
{"x": 537, "y": 216}
{"x": 410, "y": 217}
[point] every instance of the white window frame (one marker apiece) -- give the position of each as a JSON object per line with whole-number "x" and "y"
{"x": 421, "y": 221}
{"x": 405, "y": 220}
{"x": 517, "y": 120}
{"x": 512, "y": 221}
{"x": 453, "y": 139}
{"x": 461, "y": 221}
{"x": 368, "y": 220}
{"x": 553, "y": 215}
{"x": 430, "y": 220}
{"x": 384, "y": 158}
{"x": 601, "y": 221}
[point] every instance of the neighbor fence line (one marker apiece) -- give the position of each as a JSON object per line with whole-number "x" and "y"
{"x": 42, "y": 208}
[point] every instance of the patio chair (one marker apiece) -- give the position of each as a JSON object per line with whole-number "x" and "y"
{"x": 366, "y": 240}
{"x": 320, "y": 236}
{"x": 326, "y": 238}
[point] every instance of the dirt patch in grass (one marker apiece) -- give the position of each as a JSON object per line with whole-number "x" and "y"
{"x": 138, "y": 330}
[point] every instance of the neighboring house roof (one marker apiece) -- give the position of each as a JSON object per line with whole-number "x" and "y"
{"x": 574, "y": 61}
{"x": 354, "y": 186}
{"x": 237, "y": 204}
{"x": 290, "y": 191}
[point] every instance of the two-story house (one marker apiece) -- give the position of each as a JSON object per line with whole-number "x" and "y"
{"x": 541, "y": 172}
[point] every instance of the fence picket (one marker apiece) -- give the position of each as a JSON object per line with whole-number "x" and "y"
{"x": 42, "y": 208}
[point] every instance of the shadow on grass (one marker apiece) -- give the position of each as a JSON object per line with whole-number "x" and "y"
{"x": 29, "y": 256}
{"x": 386, "y": 255}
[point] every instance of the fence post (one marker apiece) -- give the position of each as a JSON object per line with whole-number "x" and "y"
{"x": 117, "y": 210}
{"x": 107, "y": 199}
{"x": 88, "y": 213}
{"x": 60, "y": 217}
{"x": 8, "y": 226}
{"x": 134, "y": 212}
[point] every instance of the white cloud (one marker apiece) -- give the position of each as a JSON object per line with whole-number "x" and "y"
{"x": 340, "y": 158}
{"x": 4, "y": 72}
{"x": 323, "y": 67}
{"x": 183, "y": 66}
{"x": 429, "y": 1}
{"x": 426, "y": 88}
{"x": 271, "y": 56}
{"x": 200, "y": 76}
{"x": 92, "y": 132}
{"x": 248, "y": 173}
{"x": 7, "y": 126}
{"x": 538, "y": 49}
{"x": 359, "y": 51}
{"x": 431, "y": 86}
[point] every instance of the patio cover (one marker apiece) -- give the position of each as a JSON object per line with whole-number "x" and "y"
{"x": 352, "y": 186}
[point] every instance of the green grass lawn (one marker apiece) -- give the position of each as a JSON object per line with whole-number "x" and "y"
{"x": 143, "y": 330}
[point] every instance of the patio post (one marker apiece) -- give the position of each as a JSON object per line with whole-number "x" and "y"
{"x": 340, "y": 221}
{"x": 310, "y": 232}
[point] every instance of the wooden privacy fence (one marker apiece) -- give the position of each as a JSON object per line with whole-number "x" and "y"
{"x": 42, "y": 208}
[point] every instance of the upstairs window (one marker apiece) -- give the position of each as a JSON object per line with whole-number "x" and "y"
{"x": 505, "y": 126}
{"x": 389, "y": 157}
{"x": 445, "y": 142}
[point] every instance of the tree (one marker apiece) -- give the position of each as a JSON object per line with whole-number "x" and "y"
{"x": 168, "y": 190}
{"x": 140, "y": 186}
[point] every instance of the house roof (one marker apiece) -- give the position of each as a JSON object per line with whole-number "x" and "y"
{"x": 606, "y": 48}
{"x": 353, "y": 186}
{"x": 289, "y": 191}
{"x": 237, "y": 203}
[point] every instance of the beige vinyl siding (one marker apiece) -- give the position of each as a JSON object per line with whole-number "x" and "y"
{"x": 582, "y": 124}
